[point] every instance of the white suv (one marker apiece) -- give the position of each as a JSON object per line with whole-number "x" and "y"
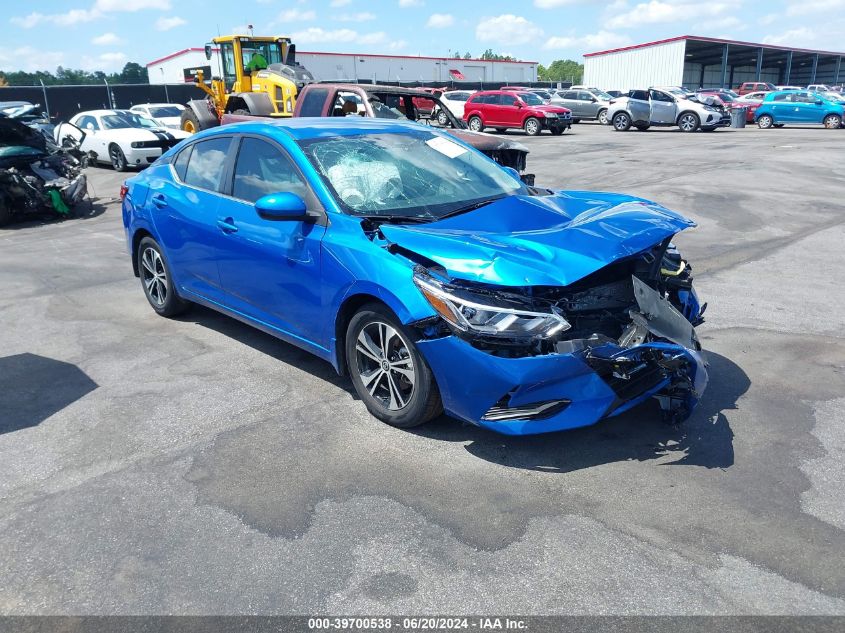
{"x": 665, "y": 107}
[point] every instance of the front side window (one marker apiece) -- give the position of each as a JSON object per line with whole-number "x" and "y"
{"x": 530, "y": 98}
{"x": 206, "y": 164}
{"x": 656, "y": 95}
{"x": 127, "y": 120}
{"x": 415, "y": 175}
{"x": 164, "y": 111}
{"x": 262, "y": 169}
{"x": 312, "y": 102}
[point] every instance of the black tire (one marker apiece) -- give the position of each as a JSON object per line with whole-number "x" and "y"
{"x": 642, "y": 127}
{"x": 422, "y": 398}
{"x": 5, "y": 213}
{"x": 442, "y": 119}
{"x": 117, "y": 158}
{"x": 689, "y": 122}
{"x": 833, "y": 121}
{"x": 532, "y": 126}
{"x": 778, "y": 125}
{"x": 475, "y": 124}
{"x": 708, "y": 129}
{"x": 170, "y": 304}
{"x": 190, "y": 122}
{"x": 576, "y": 120}
{"x": 621, "y": 122}
{"x": 501, "y": 130}
{"x": 557, "y": 130}
{"x": 765, "y": 122}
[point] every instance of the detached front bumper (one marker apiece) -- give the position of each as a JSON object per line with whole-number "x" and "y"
{"x": 581, "y": 383}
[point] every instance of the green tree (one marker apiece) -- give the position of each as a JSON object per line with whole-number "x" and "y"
{"x": 489, "y": 54}
{"x": 561, "y": 70}
{"x": 467, "y": 55}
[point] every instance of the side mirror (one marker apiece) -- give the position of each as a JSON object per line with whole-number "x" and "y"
{"x": 519, "y": 104}
{"x": 510, "y": 171}
{"x": 593, "y": 99}
{"x": 208, "y": 51}
{"x": 282, "y": 206}
{"x": 819, "y": 102}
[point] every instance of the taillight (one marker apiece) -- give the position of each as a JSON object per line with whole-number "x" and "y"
{"x": 123, "y": 191}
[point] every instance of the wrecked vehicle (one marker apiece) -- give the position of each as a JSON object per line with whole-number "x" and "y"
{"x": 395, "y": 102}
{"x": 36, "y": 175}
{"x": 666, "y": 107}
{"x": 431, "y": 276}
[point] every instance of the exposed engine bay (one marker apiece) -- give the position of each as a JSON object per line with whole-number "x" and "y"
{"x": 36, "y": 175}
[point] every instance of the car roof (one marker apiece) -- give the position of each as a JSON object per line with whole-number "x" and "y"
{"x": 99, "y": 112}
{"x": 315, "y": 127}
{"x": 375, "y": 88}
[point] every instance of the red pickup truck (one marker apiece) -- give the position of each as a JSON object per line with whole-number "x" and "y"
{"x": 394, "y": 102}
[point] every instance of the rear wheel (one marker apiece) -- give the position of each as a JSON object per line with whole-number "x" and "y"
{"x": 157, "y": 281}
{"x": 388, "y": 373}
{"x": 764, "y": 122}
{"x": 442, "y": 119}
{"x": 833, "y": 121}
{"x": 642, "y": 127}
{"x": 689, "y": 122}
{"x": 621, "y": 122}
{"x": 532, "y": 126}
{"x": 475, "y": 124}
{"x": 602, "y": 117}
{"x": 557, "y": 130}
{"x": 501, "y": 130}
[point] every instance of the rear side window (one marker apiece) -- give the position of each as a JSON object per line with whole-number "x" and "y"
{"x": 570, "y": 95}
{"x": 640, "y": 95}
{"x": 180, "y": 165}
{"x": 312, "y": 103}
{"x": 781, "y": 97}
{"x": 207, "y": 164}
{"x": 263, "y": 169}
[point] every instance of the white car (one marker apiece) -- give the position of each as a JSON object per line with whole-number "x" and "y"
{"x": 753, "y": 96}
{"x": 455, "y": 100}
{"x": 166, "y": 114}
{"x": 120, "y": 137}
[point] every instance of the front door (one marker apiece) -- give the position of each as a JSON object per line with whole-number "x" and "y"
{"x": 270, "y": 269}
{"x": 807, "y": 107}
{"x": 663, "y": 109}
{"x": 589, "y": 107}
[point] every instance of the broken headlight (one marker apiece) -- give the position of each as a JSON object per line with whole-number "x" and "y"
{"x": 480, "y": 315}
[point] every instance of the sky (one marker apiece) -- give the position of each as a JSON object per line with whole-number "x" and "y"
{"x": 105, "y": 34}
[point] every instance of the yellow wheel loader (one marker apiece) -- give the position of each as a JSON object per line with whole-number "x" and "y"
{"x": 258, "y": 76}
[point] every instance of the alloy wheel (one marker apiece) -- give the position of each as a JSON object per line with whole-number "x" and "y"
{"x": 385, "y": 366}
{"x": 688, "y": 123}
{"x": 442, "y": 119}
{"x": 154, "y": 276}
{"x": 603, "y": 117}
{"x": 532, "y": 127}
{"x": 475, "y": 124}
{"x": 117, "y": 159}
{"x": 620, "y": 122}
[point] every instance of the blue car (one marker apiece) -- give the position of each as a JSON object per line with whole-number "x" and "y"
{"x": 799, "y": 107}
{"x": 429, "y": 274}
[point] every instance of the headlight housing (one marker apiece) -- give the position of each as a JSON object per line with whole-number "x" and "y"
{"x": 551, "y": 115}
{"x": 479, "y": 315}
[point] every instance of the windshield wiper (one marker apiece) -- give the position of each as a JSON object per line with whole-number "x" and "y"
{"x": 470, "y": 207}
{"x": 397, "y": 219}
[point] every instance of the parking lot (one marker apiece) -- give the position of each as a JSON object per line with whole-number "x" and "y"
{"x": 197, "y": 466}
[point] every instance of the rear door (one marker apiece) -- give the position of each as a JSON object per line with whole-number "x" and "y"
{"x": 569, "y": 99}
{"x": 663, "y": 109}
{"x": 185, "y": 213}
{"x": 809, "y": 108}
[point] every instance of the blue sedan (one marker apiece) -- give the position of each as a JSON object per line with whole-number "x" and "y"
{"x": 430, "y": 275}
{"x": 799, "y": 107}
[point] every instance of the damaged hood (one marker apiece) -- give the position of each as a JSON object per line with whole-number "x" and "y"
{"x": 15, "y": 133}
{"x": 540, "y": 241}
{"x": 486, "y": 142}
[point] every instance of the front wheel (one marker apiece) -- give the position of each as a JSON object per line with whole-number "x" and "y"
{"x": 833, "y": 121}
{"x": 642, "y": 127}
{"x": 621, "y": 122}
{"x": 765, "y": 122}
{"x": 532, "y": 126}
{"x": 157, "y": 280}
{"x": 442, "y": 119}
{"x": 602, "y": 117}
{"x": 117, "y": 158}
{"x": 689, "y": 122}
{"x": 557, "y": 130}
{"x": 475, "y": 124}
{"x": 388, "y": 373}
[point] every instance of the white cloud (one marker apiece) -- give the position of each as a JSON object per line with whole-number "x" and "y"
{"x": 106, "y": 39}
{"x": 396, "y": 45}
{"x": 317, "y": 35}
{"x": 296, "y": 15}
{"x": 769, "y": 18}
{"x": 440, "y": 21}
{"x": 727, "y": 22}
{"x": 602, "y": 40}
{"x": 30, "y": 59}
{"x": 507, "y": 29}
{"x": 410, "y": 3}
{"x": 552, "y": 4}
{"x": 110, "y": 6}
{"x": 814, "y": 6}
{"x": 104, "y": 62}
{"x": 165, "y": 24}
{"x": 801, "y": 36}
{"x": 79, "y": 16}
{"x": 364, "y": 16}
{"x": 663, "y": 11}
{"x": 339, "y": 3}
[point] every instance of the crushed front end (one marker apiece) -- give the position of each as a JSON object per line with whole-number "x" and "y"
{"x": 539, "y": 359}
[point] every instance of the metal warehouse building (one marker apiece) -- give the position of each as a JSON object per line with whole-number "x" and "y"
{"x": 706, "y": 62}
{"x": 182, "y": 65}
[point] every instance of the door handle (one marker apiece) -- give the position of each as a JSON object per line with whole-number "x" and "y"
{"x": 159, "y": 200}
{"x": 227, "y": 225}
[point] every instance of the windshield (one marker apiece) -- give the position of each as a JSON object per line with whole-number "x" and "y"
{"x": 530, "y": 98}
{"x": 415, "y": 175}
{"x": 125, "y": 120}
{"x": 601, "y": 94}
{"x": 543, "y": 95}
{"x": 165, "y": 111}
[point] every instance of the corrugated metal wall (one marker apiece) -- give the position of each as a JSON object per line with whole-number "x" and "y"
{"x": 658, "y": 65}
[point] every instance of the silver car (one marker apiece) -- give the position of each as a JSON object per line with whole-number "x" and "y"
{"x": 584, "y": 103}
{"x": 664, "y": 107}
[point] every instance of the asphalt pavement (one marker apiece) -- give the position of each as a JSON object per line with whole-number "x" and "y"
{"x": 196, "y": 465}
